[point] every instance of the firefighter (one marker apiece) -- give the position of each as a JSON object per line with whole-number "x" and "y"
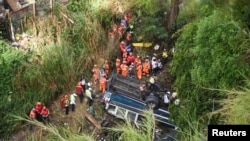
{"x": 128, "y": 36}
{"x": 124, "y": 54}
{"x": 118, "y": 65}
{"x": 130, "y": 58}
{"x": 124, "y": 68}
{"x": 132, "y": 70}
{"x": 66, "y": 105}
{"x": 139, "y": 70}
{"x": 62, "y": 101}
{"x": 79, "y": 91}
{"x": 164, "y": 56}
{"x": 146, "y": 67}
{"x": 38, "y": 108}
{"x": 95, "y": 72}
{"x": 103, "y": 83}
{"x": 32, "y": 117}
{"x": 137, "y": 60}
{"x": 45, "y": 114}
{"x": 83, "y": 83}
{"x": 106, "y": 67}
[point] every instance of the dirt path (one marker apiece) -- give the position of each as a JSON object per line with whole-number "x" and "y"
{"x": 74, "y": 121}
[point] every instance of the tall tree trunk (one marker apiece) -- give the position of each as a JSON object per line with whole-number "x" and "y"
{"x": 174, "y": 11}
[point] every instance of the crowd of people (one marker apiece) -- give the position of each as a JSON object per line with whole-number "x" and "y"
{"x": 40, "y": 112}
{"x": 127, "y": 63}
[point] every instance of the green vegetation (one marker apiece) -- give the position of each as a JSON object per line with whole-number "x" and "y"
{"x": 211, "y": 52}
{"x": 210, "y": 64}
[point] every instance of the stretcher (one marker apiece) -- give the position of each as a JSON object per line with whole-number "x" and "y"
{"x": 142, "y": 44}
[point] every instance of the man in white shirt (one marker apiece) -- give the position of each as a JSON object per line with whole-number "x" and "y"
{"x": 166, "y": 100}
{"x": 89, "y": 96}
{"x": 72, "y": 101}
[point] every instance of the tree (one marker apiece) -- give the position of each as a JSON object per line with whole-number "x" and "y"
{"x": 174, "y": 11}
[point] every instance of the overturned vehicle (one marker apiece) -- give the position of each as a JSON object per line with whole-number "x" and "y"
{"x": 127, "y": 98}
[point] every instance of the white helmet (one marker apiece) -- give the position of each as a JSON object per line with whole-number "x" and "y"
{"x": 90, "y": 89}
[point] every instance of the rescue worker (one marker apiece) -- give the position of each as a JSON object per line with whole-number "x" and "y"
{"x": 159, "y": 64}
{"x": 106, "y": 67}
{"x": 89, "y": 96}
{"x": 164, "y": 56}
{"x": 121, "y": 29}
{"x": 122, "y": 46}
{"x": 118, "y": 65}
{"x": 128, "y": 36}
{"x": 124, "y": 68}
{"x": 79, "y": 91}
{"x": 166, "y": 99}
{"x": 137, "y": 60}
{"x": 72, "y": 101}
{"x": 38, "y": 108}
{"x": 154, "y": 65}
{"x": 45, "y": 114}
{"x": 132, "y": 70}
{"x": 139, "y": 70}
{"x": 143, "y": 91}
{"x": 95, "y": 72}
{"x": 62, "y": 101}
{"x": 125, "y": 60}
{"x": 130, "y": 58}
{"x": 83, "y": 83}
{"x": 66, "y": 105}
{"x": 103, "y": 83}
{"x": 146, "y": 67}
{"x": 32, "y": 117}
{"x": 124, "y": 54}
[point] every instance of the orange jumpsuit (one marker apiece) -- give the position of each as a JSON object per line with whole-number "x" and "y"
{"x": 118, "y": 65}
{"x": 137, "y": 61}
{"x": 146, "y": 68}
{"x": 95, "y": 72}
{"x": 124, "y": 69}
{"x": 103, "y": 82}
{"x": 139, "y": 71}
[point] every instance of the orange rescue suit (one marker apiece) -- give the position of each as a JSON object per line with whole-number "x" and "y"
{"x": 118, "y": 66}
{"x": 146, "y": 68}
{"x": 124, "y": 69}
{"x": 139, "y": 71}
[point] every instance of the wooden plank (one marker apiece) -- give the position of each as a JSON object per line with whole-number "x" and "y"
{"x": 92, "y": 120}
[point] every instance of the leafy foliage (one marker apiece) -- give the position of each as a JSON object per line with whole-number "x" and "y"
{"x": 208, "y": 54}
{"x": 10, "y": 60}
